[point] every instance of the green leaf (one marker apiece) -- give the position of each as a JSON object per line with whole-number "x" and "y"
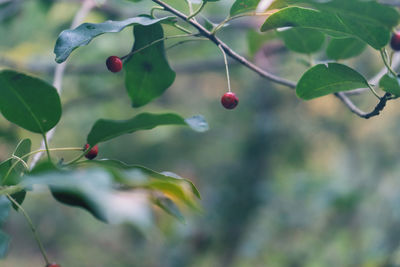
{"x": 23, "y": 148}
{"x": 163, "y": 176}
{"x": 324, "y": 79}
{"x": 369, "y": 11}
{"x": 4, "y": 169}
{"x": 106, "y": 191}
{"x": 243, "y": 6}
{"x": 104, "y": 130}
{"x": 278, "y": 4}
{"x": 29, "y": 102}
{"x": 306, "y": 18}
{"x": 256, "y": 40}
{"x": 364, "y": 20}
{"x": 4, "y": 244}
{"x": 168, "y": 206}
{"x": 173, "y": 190}
{"x": 303, "y": 40}
{"x": 390, "y": 84}
{"x": 69, "y": 40}
{"x": 147, "y": 73}
{"x": 74, "y": 196}
{"x": 86, "y": 189}
{"x": 345, "y": 48}
{"x": 12, "y": 177}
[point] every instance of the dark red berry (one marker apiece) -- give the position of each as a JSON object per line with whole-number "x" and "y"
{"x": 53, "y": 265}
{"x": 395, "y": 42}
{"x": 114, "y": 64}
{"x": 92, "y": 152}
{"x": 229, "y": 100}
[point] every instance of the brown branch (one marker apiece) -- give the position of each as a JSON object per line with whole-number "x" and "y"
{"x": 347, "y": 101}
{"x": 353, "y": 108}
{"x": 203, "y": 31}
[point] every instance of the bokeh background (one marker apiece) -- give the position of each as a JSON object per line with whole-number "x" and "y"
{"x": 284, "y": 182}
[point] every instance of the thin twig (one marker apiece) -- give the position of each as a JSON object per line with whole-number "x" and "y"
{"x": 353, "y": 108}
{"x": 387, "y": 64}
{"x": 33, "y": 229}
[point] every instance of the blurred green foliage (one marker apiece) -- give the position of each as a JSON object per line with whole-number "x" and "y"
{"x": 284, "y": 182}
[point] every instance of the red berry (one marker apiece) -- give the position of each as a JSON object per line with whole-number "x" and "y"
{"x": 92, "y": 152}
{"x": 53, "y": 265}
{"x": 395, "y": 42}
{"x": 229, "y": 100}
{"x": 114, "y": 64}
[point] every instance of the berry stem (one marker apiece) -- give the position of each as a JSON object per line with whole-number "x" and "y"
{"x": 154, "y": 8}
{"x": 374, "y": 92}
{"x": 186, "y": 41}
{"x": 173, "y": 25}
{"x": 12, "y": 189}
{"x": 385, "y": 61}
{"x": 179, "y": 27}
{"x": 157, "y": 41}
{"x": 226, "y": 67}
{"x": 219, "y": 26}
{"x": 21, "y": 159}
{"x": 79, "y": 157}
{"x": 190, "y": 7}
{"x": 33, "y": 229}
{"x": 52, "y": 149}
{"x": 195, "y": 13}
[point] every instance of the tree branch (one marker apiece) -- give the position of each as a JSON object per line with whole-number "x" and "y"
{"x": 353, "y": 108}
{"x": 342, "y": 96}
{"x": 203, "y": 31}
